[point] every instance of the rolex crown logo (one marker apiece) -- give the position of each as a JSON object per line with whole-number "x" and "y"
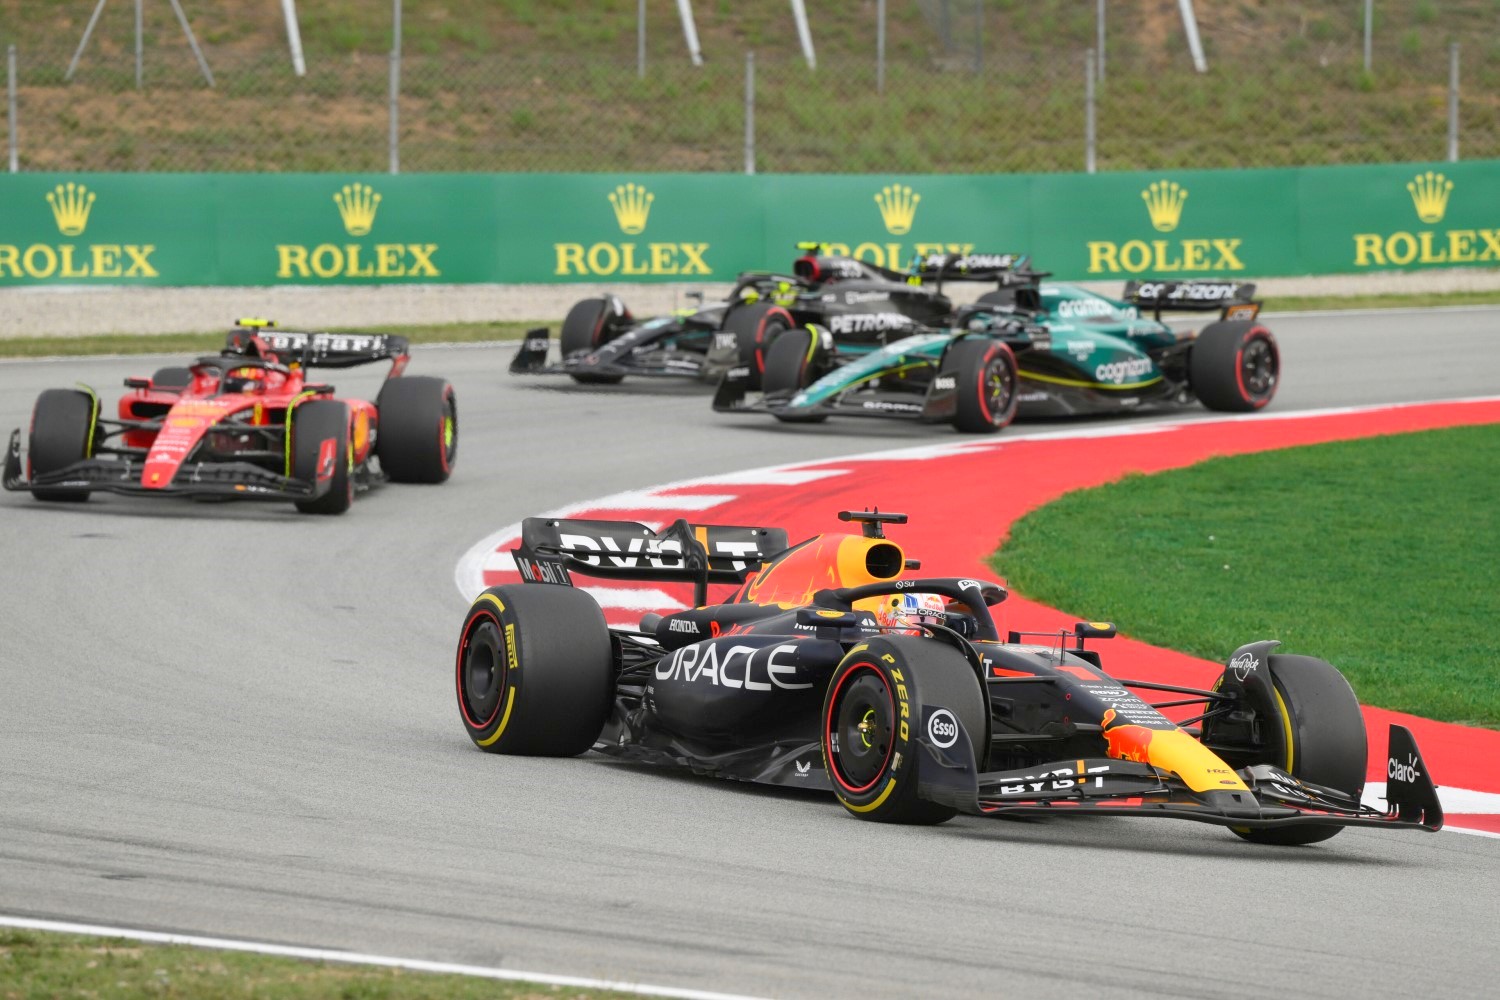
{"x": 1164, "y": 203}
{"x": 632, "y": 204}
{"x": 1429, "y": 193}
{"x": 357, "y": 205}
{"x": 70, "y": 207}
{"x": 898, "y": 207}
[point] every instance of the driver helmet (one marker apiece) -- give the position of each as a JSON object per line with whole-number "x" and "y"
{"x": 906, "y": 611}
{"x": 244, "y": 379}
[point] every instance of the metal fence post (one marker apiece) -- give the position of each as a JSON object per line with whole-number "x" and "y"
{"x": 879, "y": 46}
{"x": 640, "y": 39}
{"x": 1453, "y": 102}
{"x": 10, "y": 111}
{"x": 1369, "y": 28}
{"x": 1088, "y": 112}
{"x": 749, "y": 112}
{"x": 1099, "y": 41}
{"x": 394, "y": 140}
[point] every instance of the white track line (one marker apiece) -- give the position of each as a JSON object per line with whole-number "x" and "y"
{"x": 355, "y": 958}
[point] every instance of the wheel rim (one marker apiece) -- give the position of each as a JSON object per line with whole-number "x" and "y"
{"x": 448, "y": 432}
{"x": 860, "y": 736}
{"x": 997, "y": 389}
{"x": 481, "y": 673}
{"x": 1258, "y": 368}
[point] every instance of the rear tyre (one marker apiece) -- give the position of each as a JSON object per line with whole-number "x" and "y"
{"x": 587, "y": 328}
{"x": 871, "y": 712}
{"x": 417, "y": 437}
{"x": 1234, "y": 366}
{"x": 1306, "y": 722}
{"x": 793, "y": 363}
{"x": 987, "y": 385}
{"x": 756, "y": 327}
{"x": 535, "y": 671}
{"x": 313, "y": 423}
{"x": 63, "y": 424}
{"x": 172, "y": 378}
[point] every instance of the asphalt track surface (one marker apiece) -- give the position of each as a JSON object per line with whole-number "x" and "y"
{"x": 238, "y": 721}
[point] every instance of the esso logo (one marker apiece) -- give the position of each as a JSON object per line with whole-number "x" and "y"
{"x": 942, "y": 728}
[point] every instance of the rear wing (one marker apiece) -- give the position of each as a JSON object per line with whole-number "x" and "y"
{"x": 553, "y": 549}
{"x": 318, "y": 349}
{"x": 1006, "y": 270}
{"x": 1231, "y": 299}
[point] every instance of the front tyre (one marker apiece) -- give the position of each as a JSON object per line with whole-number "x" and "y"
{"x": 755, "y": 328}
{"x": 988, "y": 384}
{"x": 314, "y": 423}
{"x": 417, "y": 437}
{"x": 63, "y": 425}
{"x": 535, "y": 671}
{"x": 589, "y": 325}
{"x": 871, "y": 714}
{"x": 1234, "y": 366}
{"x": 794, "y": 362}
{"x": 1301, "y": 716}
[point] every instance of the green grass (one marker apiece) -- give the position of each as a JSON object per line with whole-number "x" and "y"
{"x": 207, "y": 343}
{"x": 1378, "y": 555}
{"x": 37, "y": 966}
{"x": 554, "y": 87}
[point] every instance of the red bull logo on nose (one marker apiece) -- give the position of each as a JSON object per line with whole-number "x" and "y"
{"x": 1127, "y": 742}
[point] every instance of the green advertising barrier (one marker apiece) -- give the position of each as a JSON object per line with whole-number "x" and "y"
{"x": 310, "y": 229}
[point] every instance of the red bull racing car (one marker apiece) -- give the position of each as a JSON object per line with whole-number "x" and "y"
{"x": 248, "y": 424}
{"x": 832, "y": 665}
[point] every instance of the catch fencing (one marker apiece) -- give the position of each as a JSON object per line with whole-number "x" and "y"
{"x": 971, "y": 109}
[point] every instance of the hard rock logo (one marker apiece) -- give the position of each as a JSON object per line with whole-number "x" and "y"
{"x": 631, "y": 203}
{"x": 71, "y": 205}
{"x": 1429, "y": 193}
{"x": 357, "y": 205}
{"x": 1165, "y": 200}
{"x": 898, "y": 208}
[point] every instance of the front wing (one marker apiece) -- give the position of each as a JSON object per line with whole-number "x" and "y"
{"x": 1107, "y": 786}
{"x": 608, "y": 362}
{"x": 733, "y": 396}
{"x": 237, "y": 480}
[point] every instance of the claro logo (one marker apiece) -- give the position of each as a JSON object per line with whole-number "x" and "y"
{"x": 72, "y": 204}
{"x": 1429, "y": 193}
{"x": 632, "y": 209}
{"x": 357, "y": 204}
{"x": 1164, "y": 201}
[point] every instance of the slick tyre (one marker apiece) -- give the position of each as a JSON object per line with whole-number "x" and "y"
{"x": 314, "y": 422}
{"x": 172, "y": 378}
{"x": 872, "y": 712}
{"x": 417, "y": 436}
{"x": 535, "y": 671}
{"x": 587, "y": 328}
{"x": 794, "y": 362}
{"x": 63, "y": 425}
{"x": 1234, "y": 366}
{"x": 1305, "y": 721}
{"x": 756, "y": 327}
{"x": 988, "y": 385}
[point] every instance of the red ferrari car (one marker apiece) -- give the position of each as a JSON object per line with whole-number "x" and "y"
{"x": 249, "y": 424}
